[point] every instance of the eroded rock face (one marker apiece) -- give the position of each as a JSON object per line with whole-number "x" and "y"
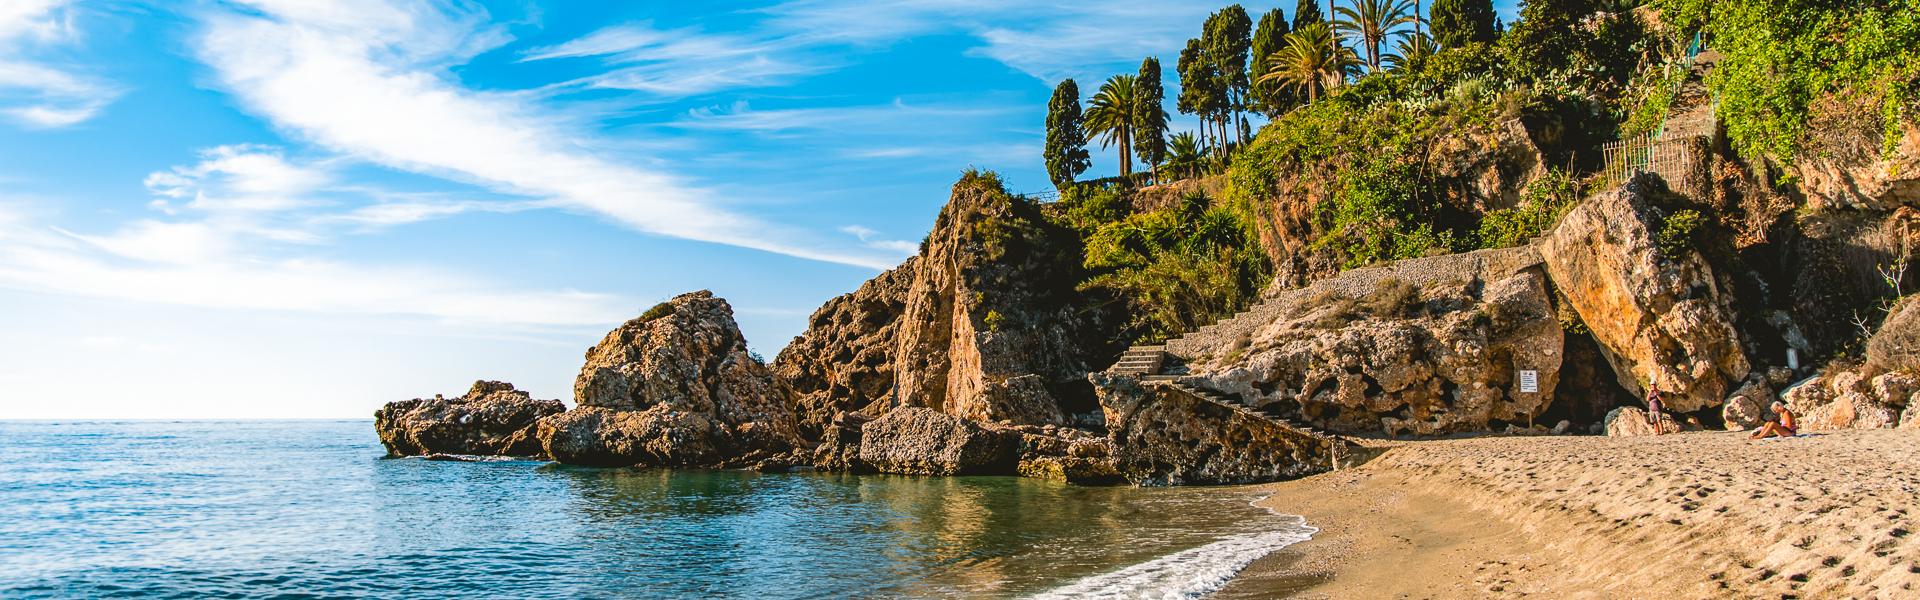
{"x": 912, "y": 440}
{"x": 674, "y": 387}
{"x": 1161, "y": 436}
{"x": 491, "y": 419}
{"x": 1655, "y": 315}
{"x": 1849, "y": 400}
{"x": 1747, "y": 407}
{"x": 983, "y": 325}
{"x": 1628, "y": 421}
{"x": 1425, "y": 357}
{"x": 1859, "y": 176}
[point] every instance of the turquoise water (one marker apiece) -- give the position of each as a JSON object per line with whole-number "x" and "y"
{"x": 251, "y": 509}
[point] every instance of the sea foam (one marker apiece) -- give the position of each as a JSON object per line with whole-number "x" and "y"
{"x": 1188, "y": 573}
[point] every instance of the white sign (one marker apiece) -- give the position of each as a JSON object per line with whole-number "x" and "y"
{"x": 1529, "y": 382}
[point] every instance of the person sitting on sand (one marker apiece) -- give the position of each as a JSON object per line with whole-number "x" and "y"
{"x": 1785, "y": 427}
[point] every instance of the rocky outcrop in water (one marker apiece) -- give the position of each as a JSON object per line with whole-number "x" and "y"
{"x": 674, "y": 387}
{"x": 492, "y": 418}
{"x": 918, "y": 441}
{"x": 983, "y": 325}
{"x": 1657, "y": 313}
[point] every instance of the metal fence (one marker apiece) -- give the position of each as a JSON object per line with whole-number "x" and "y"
{"x": 1671, "y": 158}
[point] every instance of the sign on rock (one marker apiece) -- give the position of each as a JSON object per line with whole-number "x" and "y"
{"x": 1529, "y": 381}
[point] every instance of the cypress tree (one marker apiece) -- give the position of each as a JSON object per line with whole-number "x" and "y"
{"x": 1229, "y": 35}
{"x": 1307, "y": 12}
{"x": 1197, "y": 94}
{"x": 1457, "y": 23}
{"x": 1149, "y": 116}
{"x": 1066, "y": 149}
{"x": 1270, "y": 36}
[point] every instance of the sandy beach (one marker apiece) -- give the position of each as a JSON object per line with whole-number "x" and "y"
{"x": 1694, "y": 515}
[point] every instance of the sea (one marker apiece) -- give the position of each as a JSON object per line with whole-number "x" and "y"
{"x": 312, "y": 509}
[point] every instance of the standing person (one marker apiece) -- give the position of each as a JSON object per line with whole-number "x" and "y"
{"x": 1654, "y": 407}
{"x": 1787, "y": 426}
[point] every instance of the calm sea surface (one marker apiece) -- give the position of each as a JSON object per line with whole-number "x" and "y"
{"x": 309, "y": 508}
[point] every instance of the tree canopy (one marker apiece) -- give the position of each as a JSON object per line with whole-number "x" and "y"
{"x": 1149, "y": 114}
{"x": 1457, "y": 23}
{"x": 1066, "y": 149}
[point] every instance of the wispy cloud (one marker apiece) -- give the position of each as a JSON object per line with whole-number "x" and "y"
{"x": 841, "y": 120}
{"x": 374, "y": 86}
{"x": 35, "y": 92}
{"x": 681, "y": 62}
{"x": 873, "y": 240}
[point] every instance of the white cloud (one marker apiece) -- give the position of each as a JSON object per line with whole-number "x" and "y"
{"x": 372, "y": 86}
{"x": 33, "y": 92}
{"x": 241, "y": 178}
{"x": 873, "y": 240}
{"x": 200, "y": 264}
{"x": 681, "y": 62}
{"x": 898, "y": 117}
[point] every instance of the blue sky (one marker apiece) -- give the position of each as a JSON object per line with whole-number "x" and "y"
{"x": 306, "y": 208}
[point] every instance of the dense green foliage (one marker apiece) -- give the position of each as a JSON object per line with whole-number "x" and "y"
{"x": 1310, "y": 63}
{"x": 1457, "y": 23}
{"x": 1066, "y": 149}
{"x": 1781, "y": 58}
{"x": 1268, "y": 38}
{"x": 1676, "y": 231}
{"x": 1307, "y": 12}
{"x": 1541, "y": 205}
{"x": 1177, "y": 268}
{"x": 1566, "y": 41}
{"x": 1371, "y": 23}
{"x": 1149, "y": 114}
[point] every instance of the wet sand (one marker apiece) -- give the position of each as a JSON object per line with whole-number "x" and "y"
{"x": 1694, "y": 515}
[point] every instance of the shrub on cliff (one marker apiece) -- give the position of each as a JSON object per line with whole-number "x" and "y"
{"x": 1176, "y": 268}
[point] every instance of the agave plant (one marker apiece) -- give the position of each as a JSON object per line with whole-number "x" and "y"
{"x": 1110, "y": 117}
{"x": 1312, "y": 61}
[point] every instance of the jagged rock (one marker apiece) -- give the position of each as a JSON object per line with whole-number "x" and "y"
{"x": 1910, "y": 419}
{"x": 1655, "y": 315}
{"x": 1425, "y": 357}
{"x": 1861, "y": 176}
{"x": 1747, "y": 407}
{"x": 674, "y": 387}
{"x": 1897, "y": 343}
{"x": 1161, "y": 436}
{"x": 1071, "y": 469}
{"x": 491, "y": 419}
{"x": 918, "y": 441}
{"x": 1842, "y": 401}
{"x": 984, "y": 324}
{"x": 1628, "y": 421}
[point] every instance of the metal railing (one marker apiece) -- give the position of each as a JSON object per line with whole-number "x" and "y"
{"x": 1671, "y": 158}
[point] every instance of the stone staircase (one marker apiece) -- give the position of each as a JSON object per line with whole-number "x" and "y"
{"x": 1140, "y": 361}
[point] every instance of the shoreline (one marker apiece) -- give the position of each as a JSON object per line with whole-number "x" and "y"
{"x": 1707, "y": 514}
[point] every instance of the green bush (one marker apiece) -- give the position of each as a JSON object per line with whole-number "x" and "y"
{"x": 659, "y": 310}
{"x": 1676, "y": 231}
{"x": 1176, "y": 268}
{"x": 1541, "y": 205}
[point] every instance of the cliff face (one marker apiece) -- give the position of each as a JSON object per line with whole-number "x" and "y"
{"x": 674, "y": 387}
{"x": 984, "y": 325}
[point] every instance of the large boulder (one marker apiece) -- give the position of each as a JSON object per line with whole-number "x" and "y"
{"x": 1628, "y": 421}
{"x": 491, "y": 419}
{"x": 1747, "y": 407}
{"x": 1853, "y": 175}
{"x": 1896, "y": 345}
{"x": 1847, "y": 399}
{"x": 1656, "y": 313}
{"x": 674, "y": 387}
{"x": 919, "y": 441}
{"x": 1161, "y": 435}
{"x": 1424, "y": 347}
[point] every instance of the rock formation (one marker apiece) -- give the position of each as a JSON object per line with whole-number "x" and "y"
{"x": 1747, "y": 408}
{"x": 491, "y": 419}
{"x": 919, "y": 441}
{"x": 1423, "y": 347}
{"x": 1163, "y": 436}
{"x": 1848, "y": 399}
{"x": 1656, "y": 314}
{"x": 1846, "y": 174}
{"x": 983, "y": 325}
{"x": 674, "y": 387}
{"x": 1628, "y": 421}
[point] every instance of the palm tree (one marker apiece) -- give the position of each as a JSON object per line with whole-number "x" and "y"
{"x": 1311, "y": 61}
{"x": 1373, "y": 21}
{"x": 1110, "y": 116}
{"x": 1411, "y": 50}
{"x": 1184, "y": 153}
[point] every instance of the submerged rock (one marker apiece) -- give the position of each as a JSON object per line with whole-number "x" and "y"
{"x": 918, "y": 441}
{"x": 674, "y": 387}
{"x": 492, "y": 418}
{"x": 1655, "y": 313}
